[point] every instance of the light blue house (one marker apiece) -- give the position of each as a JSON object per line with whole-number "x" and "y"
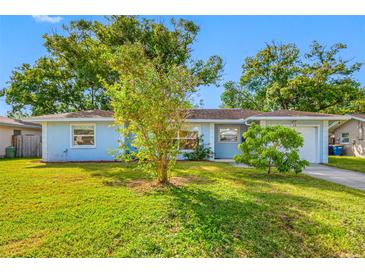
{"x": 92, "y": 136}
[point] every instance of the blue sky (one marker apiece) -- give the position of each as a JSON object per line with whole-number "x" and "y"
{"x": 231, "y": 37}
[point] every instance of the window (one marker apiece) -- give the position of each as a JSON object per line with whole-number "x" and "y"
{"x": 188, "y": 138}
{"x": 17, "y": 132}
{"x": 228, "y": 134}
{"x": 345, "y": 138}
{"x": 361, "y": 131}
{"x": 83, "y": 136}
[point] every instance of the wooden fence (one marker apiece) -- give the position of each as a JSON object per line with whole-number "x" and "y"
{"x": 28, "y": 145}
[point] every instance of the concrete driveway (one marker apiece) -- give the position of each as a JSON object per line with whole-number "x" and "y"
{"x": 336, "y": 175}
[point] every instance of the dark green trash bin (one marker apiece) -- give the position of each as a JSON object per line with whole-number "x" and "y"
{"x": 10, "y": 152}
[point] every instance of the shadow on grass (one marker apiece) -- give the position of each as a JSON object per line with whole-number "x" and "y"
{"x": 125, "y": 173}
{"x": 252, "y": 220}
{"x": 265, "y": 225}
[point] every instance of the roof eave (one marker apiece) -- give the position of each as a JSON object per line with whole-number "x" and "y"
{"x": 298, "y": 118}
{"x": 357, "y": 118}
{"x": 21, "y": 126}
{"x": 101, "y": 119}
{"x": 233, "y": 121}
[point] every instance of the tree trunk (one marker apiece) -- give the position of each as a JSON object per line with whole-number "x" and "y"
{"x": 269, "y": 170}
{"x": 163, "y": 178}
{"x": 162, "y": 172}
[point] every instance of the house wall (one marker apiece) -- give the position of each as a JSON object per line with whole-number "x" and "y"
{"x": 206, "y": 130}
{"x": 57, "y": 143}
{"x": 6, "y": 132}
{"x": 322, "y": 133}
{"x": 356, "y": 147}
{"x": 57, "y": 140}
{"x": 227, "y": 150}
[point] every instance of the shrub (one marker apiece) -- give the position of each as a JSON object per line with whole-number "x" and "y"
{"x": 200, "y": 153}
{"x": 272, "y": 146}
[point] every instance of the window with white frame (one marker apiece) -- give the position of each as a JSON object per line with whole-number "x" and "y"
{"x": 188, "y": 138}
{"x": 345, "y": 138}
{"x": 228, "y": 134}
{"x": 83, "y": 136}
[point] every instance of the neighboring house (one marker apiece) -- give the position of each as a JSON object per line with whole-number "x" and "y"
{"x": 91, "y": 136}
{"x": 10, "y": 127}
{"x": 350, "y": 134}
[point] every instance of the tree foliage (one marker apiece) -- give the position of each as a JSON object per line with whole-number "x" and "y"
{"x": 271, "y": 146}
{"x": 280, "y": 77}
{"x": 72, "y": 75}
{"x": 153, "y": 101}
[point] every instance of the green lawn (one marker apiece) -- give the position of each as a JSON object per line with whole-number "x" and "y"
{"x": 346, "y": 162}
{"x": 108, "y": 210}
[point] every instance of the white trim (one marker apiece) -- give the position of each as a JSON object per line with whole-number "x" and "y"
{"x": 112, "y": 119}
{"x": 102, "y": 119}
{"x": 298, "y": 118}
{"x": 357, "y": 118}
{"x": 82, "y": 146}
{"x": 212, "y": 139}
{"x": 44, "y": 142}
{"x": 221, "y": 121}
{"x": 218, "y": 121}
{"x": 324, "y": 152}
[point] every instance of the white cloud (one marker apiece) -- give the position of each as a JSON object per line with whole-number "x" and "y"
{"x": 47, "y": 19}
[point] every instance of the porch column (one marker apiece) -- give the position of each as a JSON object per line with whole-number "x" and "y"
{"x": 324, "y": 142}
{"x": 44, "y": 142}
{"x": 212, "y": 138}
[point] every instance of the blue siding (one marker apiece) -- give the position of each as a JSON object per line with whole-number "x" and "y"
{"x": 205, "y": 131}
{"x": 59, "y": 147}
{"x": 227, "y": 150}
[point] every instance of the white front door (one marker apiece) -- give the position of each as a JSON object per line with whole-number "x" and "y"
{"x": 310, "y": 149}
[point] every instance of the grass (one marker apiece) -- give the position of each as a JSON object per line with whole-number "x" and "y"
{"x": 347, "y": 162}
{"x": 105, "y": 210}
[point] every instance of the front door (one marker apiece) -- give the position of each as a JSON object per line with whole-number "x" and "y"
{"x": 227, "y": 138}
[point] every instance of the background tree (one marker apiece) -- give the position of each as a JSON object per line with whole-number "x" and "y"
{"x": 279, "y": 77}
{"x": 272, "y": 146}
{"x": 74, "y": 70}
{"x": 153, "y": 100}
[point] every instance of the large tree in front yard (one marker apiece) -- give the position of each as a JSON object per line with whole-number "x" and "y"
{"x": 280, "y": 77}
{"x": 150, "y": 102}
{"x": 71, "y": 76}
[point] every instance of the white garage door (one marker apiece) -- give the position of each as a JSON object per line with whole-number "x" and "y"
{"x": 309, "y": 151}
